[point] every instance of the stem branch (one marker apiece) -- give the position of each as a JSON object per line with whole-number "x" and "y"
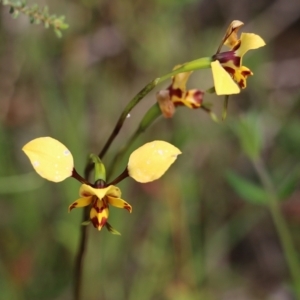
{"x": 281, "y": 225}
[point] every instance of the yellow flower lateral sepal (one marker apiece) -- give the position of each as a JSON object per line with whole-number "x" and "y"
{"x": 100, "y": 199}
{"x": 228, "y": 72}
{"x": 151, "y": 161}
{"x": 50, "y": 158}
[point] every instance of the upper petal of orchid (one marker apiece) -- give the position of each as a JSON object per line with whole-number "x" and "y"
{"x": 180, "y": 80}
{"x": 81, "y": 202}
{"x": 231, "y": 39}
{"x": 224, "y": 84}
{"x": 120, "y": 203}
{"x": 86, "y": 190}
{"x": 248, "y": 42}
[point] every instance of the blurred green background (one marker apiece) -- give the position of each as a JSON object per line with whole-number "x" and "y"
{"x": 204, "y": 230}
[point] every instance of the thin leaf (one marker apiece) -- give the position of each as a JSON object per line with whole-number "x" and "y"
{"x": 247, "y": 190}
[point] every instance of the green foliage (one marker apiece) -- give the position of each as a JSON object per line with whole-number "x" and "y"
{"x": 256, "y": 194}
{"x": 249, "y": 132}
{"x": 37, "y": 15}
{"x": 246, "y": 189}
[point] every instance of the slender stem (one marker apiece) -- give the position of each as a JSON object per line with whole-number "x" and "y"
{"x": 281, "y": 225}
{"x": 80, "y": 256}
{"x": 78, "y": 269}
{"x": 124, "y": 114}
{"x": 225, "y": 107}
{"x": 200, "y": 63}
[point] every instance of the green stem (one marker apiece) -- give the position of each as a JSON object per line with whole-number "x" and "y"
{"x": 153, "y": 113}
{"x": 281, "y": 225}
{"x": 225, "y": 107}
{"x": 201, "y": 63}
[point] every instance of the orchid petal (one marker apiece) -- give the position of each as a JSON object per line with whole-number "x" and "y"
{"x": 224, "y": 84}
{"x": 180, "y": 80}
{"x": 230, "y": 39}
{"x": 165, "y": 103}
{"x": 249, "y": 41}
{"x": 151, "y": 161}
{"x": 86, "y": 190}
{"x": 50, "y": 158}
{"x": 120, "y": 203}
{"x": 81, "y": 202}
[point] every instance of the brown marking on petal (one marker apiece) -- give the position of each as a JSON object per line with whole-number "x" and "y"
{"x": 127, "y": 207}
{"x": 192, "y": 99}
{"x": 73, "y": 206}
{"x": 246, "y": 73}
{"x": 236, "y": 46}
{"x": 198, "y": 97}
{"x": 175, "y": 92}
{"x": 103, "y": 221}
{"x": 225, "y": 57}
{"x": 85, "y": 194}
{"x": 100, "y": 209}
{"x": 242, "y": 84}
{"x": 96, "y": 223}
{"x": 229, "y": 70}
{"x": 178, "y": 103}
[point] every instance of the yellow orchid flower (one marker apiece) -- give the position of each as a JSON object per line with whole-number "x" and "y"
{"x": 100, "y": 199}
{"x": 177, "y": 95}
{"x": 53, "y": 161}
{"x": 228, "y": 72}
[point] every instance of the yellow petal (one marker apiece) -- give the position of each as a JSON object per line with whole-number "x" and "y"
{"x": 224, "y": 84}
{"x": 50, "y": 158}
{"x": 81, "y": 202}
{"x": 120, "y": 203}
{"x": 86, "y": 190}
{"x": 151, "y": 161}
{"x": 179, "y": 80}
{"x": 249, "y": 41}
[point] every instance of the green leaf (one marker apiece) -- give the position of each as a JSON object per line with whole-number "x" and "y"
{"x": 111, "y": 229}
{"x": 85, "y": 223}
{"x": 288, "y": 185}
{"x": 248, "y": 130}
{"x": 246, "y": 189}
{"x": 58, "y": 33}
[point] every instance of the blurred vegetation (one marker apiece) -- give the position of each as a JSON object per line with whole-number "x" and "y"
{"x": 36, "y": 15}
{"x": 203, "y": 231}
